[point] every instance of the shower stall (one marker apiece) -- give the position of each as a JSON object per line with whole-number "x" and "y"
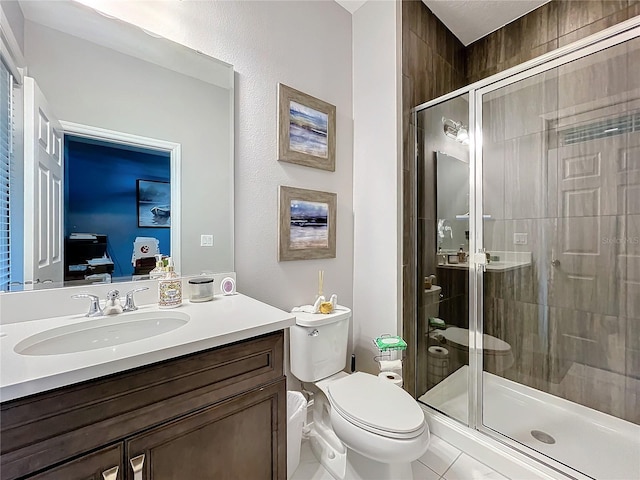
{"x": 529, "y": 187}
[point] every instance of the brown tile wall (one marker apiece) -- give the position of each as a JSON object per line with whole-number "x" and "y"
{"x": 551, "y": 26}
{"x": 434, "y": 62}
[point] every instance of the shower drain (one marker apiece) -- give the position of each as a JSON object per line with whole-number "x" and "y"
{"x": 543, "y": 437}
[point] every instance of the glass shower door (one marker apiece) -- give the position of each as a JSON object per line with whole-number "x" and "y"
{"x": 443, "y": 229}
{"x": 560, "y": 299}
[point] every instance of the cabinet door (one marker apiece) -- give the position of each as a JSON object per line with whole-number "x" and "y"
{"x": 105, "y": 464}
{"x": 241, "y": 438}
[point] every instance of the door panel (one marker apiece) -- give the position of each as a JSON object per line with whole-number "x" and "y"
{"x": 213, "y": 443}
{"x": 44, "y": 171}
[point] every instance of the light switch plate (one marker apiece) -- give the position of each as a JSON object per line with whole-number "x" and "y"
{"x": 206, "y": 240}
{"x": 520, "y": 238}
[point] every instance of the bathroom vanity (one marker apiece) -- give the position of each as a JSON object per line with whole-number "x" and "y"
{"x": 215, "y": 403}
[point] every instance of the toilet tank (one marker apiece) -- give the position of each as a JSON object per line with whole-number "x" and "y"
{"x": 431, "y": 302}
{"x": 318, "y": 344}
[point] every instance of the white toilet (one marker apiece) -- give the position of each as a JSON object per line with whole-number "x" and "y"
{"x": 497, "y": 354}
{"x": 363, "y": 427}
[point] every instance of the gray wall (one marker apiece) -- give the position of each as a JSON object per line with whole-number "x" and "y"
{"x": 16, "y": 20}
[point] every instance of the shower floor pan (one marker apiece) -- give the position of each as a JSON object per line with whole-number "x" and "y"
{"x": 594, "y": 443}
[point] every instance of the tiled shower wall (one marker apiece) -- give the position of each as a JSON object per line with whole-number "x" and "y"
{"x": 553, "y": 25}
{"x": 434, "y": 63}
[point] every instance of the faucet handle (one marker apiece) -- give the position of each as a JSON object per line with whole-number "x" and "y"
{"x": 113, "y": 294}
{"x": 129, "y": 304}
{"x": 94, "y": 308}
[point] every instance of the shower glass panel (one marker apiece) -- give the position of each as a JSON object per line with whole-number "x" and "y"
{"x": 534, "y": 338}
{"x": 561, "y": 293}
{"x": 443, "y": 293}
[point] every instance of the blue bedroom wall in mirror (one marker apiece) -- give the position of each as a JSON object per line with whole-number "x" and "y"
{"x": 100, "y": 194}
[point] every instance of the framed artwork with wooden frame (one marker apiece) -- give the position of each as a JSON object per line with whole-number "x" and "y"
{"x": 306, "y": 129}
{"x": 307, "y": 224}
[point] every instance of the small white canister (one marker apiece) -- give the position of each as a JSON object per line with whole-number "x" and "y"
{"x": 201, "y": 289}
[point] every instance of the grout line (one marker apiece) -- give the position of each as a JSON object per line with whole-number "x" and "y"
{"x": 449, "y": 467}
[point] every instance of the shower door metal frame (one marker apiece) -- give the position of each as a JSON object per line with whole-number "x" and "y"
{"x": 597, "y": 42}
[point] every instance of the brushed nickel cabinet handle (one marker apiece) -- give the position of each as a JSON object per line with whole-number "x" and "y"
{"x": 111, "y": 474}
{"x": 136, "y": 465}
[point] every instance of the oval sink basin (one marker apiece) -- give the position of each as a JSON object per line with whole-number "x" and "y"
{"x": 101, "y": 332}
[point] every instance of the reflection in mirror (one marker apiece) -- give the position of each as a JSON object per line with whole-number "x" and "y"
{"x": 452, "y": 202}
{"x": 106, "y": 105}
{"x": 136, "y": 181}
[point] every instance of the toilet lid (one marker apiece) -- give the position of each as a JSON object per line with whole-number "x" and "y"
{"x": 375, "y": 405}
{"x": 461, "y": 337}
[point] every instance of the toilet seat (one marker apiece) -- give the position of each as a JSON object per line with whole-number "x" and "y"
{"x": 376, "y": 406}
{"x": 490, "y": 344}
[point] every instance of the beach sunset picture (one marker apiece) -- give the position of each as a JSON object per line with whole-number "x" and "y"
{"x": 308, "y": 130}
{"x": 309, "y": 225}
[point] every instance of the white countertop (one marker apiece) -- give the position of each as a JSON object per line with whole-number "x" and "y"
{"x": 508, "y": 261}
{"x": 489, "y": 267}
{"x": 224, "y": 320}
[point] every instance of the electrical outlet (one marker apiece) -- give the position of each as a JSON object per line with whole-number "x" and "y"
{"x": 206, "y": 240}
{"x": 520, "y": 238}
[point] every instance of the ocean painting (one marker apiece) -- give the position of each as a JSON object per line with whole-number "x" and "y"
{"x": 309, "y": 227}
{"x": 154, "y": 204}
{"x": 308, "y": 130}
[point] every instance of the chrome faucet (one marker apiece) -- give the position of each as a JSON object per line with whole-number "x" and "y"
{"x": 94, "y": 308}
{"x": 112, "y": 306}
{"x": 129, "y": 304}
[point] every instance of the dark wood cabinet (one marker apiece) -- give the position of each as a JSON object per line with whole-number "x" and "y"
{"x": 232, "y": 440}
{"x": 219, "y": 413}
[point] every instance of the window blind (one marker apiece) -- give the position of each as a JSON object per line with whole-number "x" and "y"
{"x": 6, "y": 132}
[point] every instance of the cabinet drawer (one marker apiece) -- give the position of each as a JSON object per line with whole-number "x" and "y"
{"x": 53, "y": 426}
{"x": 105, "y": 464}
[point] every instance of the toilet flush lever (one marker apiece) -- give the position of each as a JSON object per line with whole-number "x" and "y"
{"x": 314, "y": 333}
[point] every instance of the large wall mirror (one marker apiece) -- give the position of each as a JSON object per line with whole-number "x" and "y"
{"x": 127, "y": 145}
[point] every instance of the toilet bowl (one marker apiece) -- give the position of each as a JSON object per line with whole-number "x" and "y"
{"x": 497, "y": 354}
{"x": 363, "y": 427}
{"x": 381, "y": 426}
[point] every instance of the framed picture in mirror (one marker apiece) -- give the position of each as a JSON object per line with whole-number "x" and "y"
{"x": 307, "y": 225}
{"x": 153, "y": 203}
{"x": 306, "y": 129}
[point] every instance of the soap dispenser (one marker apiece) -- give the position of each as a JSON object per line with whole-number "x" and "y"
{"x": 158, "y": 271}
{"x": 170, "y": 288}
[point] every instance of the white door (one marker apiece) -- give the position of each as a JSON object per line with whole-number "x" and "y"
{"x": 43, "y": 202}
{"x": 595, "y": 197}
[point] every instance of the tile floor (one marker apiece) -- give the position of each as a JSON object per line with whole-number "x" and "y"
{"x": 441, "y": 462}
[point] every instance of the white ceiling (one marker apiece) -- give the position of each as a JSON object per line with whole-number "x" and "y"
{"x": 351, "y": 5}
{"x": 470, "y": 20}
